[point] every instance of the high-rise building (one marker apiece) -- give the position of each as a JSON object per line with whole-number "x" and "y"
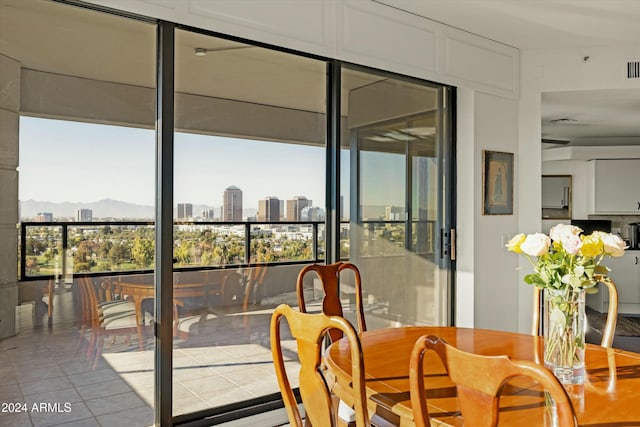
{"x": 295, "y": 206}
{"x": 185, "y": 210}
{"x": 312, "y": 213}
{"x": 84, "y": 215}
{"x": 208, "y": 214}
{"x": 269, "y": 209}
{"x": 232, "y": 204}
{"x": 44, "y": 217}
{"x": 394, "y": 213}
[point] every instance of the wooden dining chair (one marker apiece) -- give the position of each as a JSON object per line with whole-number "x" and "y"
{"x": 612, "y": 312}
{"x": 479, "y": 381}
{"x": 329, "y": 276}
{"x": 309, "y": 331}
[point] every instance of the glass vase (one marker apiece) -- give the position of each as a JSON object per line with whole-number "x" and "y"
{"x": 564, "y": 330}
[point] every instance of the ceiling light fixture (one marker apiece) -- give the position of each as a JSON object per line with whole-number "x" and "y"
{"x": 562, "y": 120}
{"x": 555, "y": 141}
{"x": 201, "y": 51}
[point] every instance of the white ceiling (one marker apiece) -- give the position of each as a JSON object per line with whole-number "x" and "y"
{"x": 594, "y": 117}
{"x": 536, "y": 24}
{"x": 67, "y": 40}
{"x": 598, "y": 117}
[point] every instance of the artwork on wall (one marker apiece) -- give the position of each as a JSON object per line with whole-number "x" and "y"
{"x": 497, "y": 183}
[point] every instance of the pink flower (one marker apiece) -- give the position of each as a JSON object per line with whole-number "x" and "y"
{"x": 571, "y": 243}
{"x": 559, "y": 231}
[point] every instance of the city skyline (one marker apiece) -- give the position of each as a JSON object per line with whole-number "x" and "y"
{"x": 58, "y": 164}
{"x": 63, "y": 161}
{"x": 104, "y": 209}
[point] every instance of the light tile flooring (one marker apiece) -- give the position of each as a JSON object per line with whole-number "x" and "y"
{"x": 46, "y": 380}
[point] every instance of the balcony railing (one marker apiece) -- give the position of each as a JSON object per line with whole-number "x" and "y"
{"x": 63, "y": 249}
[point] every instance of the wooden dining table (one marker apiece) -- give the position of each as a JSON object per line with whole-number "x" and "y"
{"x": 608, "y": 397}
{"x": 138, "y": 292}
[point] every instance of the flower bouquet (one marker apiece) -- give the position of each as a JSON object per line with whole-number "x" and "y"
{"x": 566, "y": 265}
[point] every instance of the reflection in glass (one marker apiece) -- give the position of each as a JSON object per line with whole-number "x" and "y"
{"x": 556, "y": 196}
{"x": 86, "y": 141}
{"x": 250, "y": 160}
{"x": 396, "y": 156}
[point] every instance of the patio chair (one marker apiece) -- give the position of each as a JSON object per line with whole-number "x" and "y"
{"x": 253, "y": 286}
{"x": 309, "y": 330}
{"x": 107, "y": 319}
{"x": 612, "y": 313}
{"x": 479, "y": 382}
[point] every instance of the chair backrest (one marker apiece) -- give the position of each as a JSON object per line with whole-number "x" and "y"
{"x": 309, "y": 331}
{"x": 479, "y": 381}
{"x": 612, "y": 313}
{"x": 89, "y": 303}
{"x": 329, "y": 276}
{"x": 255, "y": 279}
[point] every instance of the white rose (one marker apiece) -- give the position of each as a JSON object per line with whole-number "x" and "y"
{"x": 536, "y": 244}
{"x": 560, "y": 232}
{"x": 613, "y": 245}
{"x": 571, "y": 244}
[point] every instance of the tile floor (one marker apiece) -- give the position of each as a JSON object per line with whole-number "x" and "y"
{"x": 46, "y": 380}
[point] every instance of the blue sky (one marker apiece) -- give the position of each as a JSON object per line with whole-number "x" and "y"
{"x": 82, "y": 162}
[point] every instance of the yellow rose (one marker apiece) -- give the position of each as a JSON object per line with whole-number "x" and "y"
{"x": 591, "y": 246}
{"x": 515, "y": 242}
{"x": 611, "y": 244}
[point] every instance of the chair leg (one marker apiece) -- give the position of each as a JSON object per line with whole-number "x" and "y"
{"x": 99, "y": 348}
{"x": 140, "y": 337}
{"x": 91, "y": 345}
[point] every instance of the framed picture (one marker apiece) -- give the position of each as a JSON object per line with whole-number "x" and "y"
{"x": 497, "y": 183}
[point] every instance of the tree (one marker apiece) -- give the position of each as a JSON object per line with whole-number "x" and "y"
{"x": 104, "y": 248}
{"x": 50, "y": 254}
{"x": 84, "y": 251}
{"x": 34, "y": 246}
{"x": 183, "y": 253}
{"x": 31, "y": 265}
{"x": 207, "y": 258}
{"x": 118, "y": 254}
{"x": 142, "y": 252}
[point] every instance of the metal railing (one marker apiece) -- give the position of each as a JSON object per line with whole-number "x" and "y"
{"x": 64, "y": 249}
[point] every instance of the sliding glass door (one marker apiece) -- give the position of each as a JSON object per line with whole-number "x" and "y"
{"x": 399, "y": 155}
{"x": 249, "y": 186}
{"x": 264, "y": 178}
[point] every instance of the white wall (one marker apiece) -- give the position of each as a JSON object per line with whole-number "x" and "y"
{"x": 362, "y": 32}
{"x": 466, "y": 207}
{"x": 557, "y": 70}
{"x": 496, "y": 278}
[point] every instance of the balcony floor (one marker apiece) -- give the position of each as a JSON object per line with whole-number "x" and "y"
{"x": 229, "y": 360}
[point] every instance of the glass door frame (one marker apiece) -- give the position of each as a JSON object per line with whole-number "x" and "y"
{"x": 164, "y": 200}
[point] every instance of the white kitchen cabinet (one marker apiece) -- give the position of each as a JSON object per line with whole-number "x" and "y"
{"x": 614, "y": 186}
{"x": 625, "y": 272}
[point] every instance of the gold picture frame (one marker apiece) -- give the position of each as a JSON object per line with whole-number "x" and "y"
{"x": 497, "y": 183}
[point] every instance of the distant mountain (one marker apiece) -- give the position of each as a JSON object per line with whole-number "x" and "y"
{"x": 107, "y": 208}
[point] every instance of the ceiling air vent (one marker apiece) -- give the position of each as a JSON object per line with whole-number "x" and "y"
{"x": 633, "y": 69}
